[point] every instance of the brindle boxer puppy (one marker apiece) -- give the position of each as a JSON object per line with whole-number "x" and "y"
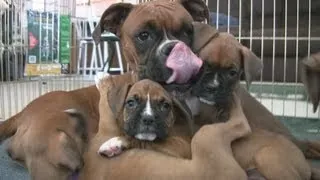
{"x": 310, "y": 76}
{"x": 273, "y": 155}
{"x": 146, "y": 120}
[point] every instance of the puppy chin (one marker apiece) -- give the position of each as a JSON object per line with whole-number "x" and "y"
{"x": 205, "y": 101}
{"x": 146, "y": 136}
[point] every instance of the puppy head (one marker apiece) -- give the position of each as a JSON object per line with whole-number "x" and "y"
{"x": 310, "y": 76}
{"x": 145, "y": 110}
{"x": 225, "y": 60}
{"x": 154, "y": 35}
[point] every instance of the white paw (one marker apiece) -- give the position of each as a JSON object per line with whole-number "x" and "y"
{"x": 100, "y": 76}
{"x": 112, "y": 147}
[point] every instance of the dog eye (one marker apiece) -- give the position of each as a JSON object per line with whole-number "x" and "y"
{"x": 165, "y": 106}
{"x": 233, "y": 73}
{"x": 131, "y": 103}
{"x": 143, "y": 36}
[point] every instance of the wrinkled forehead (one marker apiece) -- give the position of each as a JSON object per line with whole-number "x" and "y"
{"x": 166, "y": 15}
{"x": 145, "y": 88}
{"x": 222, "y": 53}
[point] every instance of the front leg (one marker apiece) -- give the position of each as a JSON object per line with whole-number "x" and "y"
{"x": 113, "y": 146}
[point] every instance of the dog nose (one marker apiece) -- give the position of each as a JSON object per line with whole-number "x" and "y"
{"x": 167, "y": 48}
{"x": 148, "y": 120}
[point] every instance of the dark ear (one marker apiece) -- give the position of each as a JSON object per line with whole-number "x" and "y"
{"x": 252, "y": 65}
{"x": 202, "y": 35}
{"x": 197, "y": 8}
{"x": 183, "y": 113}
{"x": 310, "y": 77}
{"x": 112, "y": 19}
{"x": 117, "y": 96}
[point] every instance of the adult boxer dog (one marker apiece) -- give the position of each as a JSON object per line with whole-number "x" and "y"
{"x": 310, "y": 76}
{"x": 273, "y": 155}
{"x": 154, "y": 35}
{"x": 211, "y": 146}
{"x": 146, "y": 117}
{"x": 48, "y": 140}
{"x": 151, "y": 38}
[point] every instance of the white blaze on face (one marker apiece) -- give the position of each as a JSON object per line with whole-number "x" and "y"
{"x": 148, "y": 110}
{"x": 215, "y": 82}
{"x": 165, "y": 41}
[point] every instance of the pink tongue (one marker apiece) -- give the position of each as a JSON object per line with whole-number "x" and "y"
{"x": 184, "y": 64}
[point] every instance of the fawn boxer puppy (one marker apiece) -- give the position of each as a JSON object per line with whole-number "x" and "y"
{"x": 310, "y": 76}
{"x": 210, "y": 147}
{"x": 145, "y": 117}
{"x": 272, "y": 154}
{"x": 48, "y": 140}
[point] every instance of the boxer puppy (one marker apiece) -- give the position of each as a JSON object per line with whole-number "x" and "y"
{"x": 210, "y": 147}
{"x": 272, "y": 154}
{"x": 49, "y": 140}
{"x": 145, "y": 115}
{"x": 257, "y": 115}
{"x": 310, "y": 76}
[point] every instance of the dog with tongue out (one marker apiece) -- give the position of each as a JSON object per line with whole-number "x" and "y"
{"x": 155, "y": 38}
{"x": 184, "y": 64}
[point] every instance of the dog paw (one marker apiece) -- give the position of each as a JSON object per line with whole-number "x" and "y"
{"x": 99, "y": 77}
{"x": 112, "y": 147}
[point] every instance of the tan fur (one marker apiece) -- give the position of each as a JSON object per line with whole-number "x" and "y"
{"x": 178, "y": 142}
{"x": 49, "y": 141}
{"x": 211, "y": 156}
{"x": 268, "y": 149}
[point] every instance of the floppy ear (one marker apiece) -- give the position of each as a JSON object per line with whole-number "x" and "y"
{"x": 117, "y": 96}
{"x": 310, "y": 77}
{"x": 202, "y": 35}
{"x": 111, "y": 20}
{"x": 183, "y": 113}
{"x": 197, "y": 8}
{"x": 251, "y": 64}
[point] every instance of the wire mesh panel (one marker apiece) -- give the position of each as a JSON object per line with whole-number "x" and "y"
{"x": 35, "y": 51}
{"x": 282, "y": 33}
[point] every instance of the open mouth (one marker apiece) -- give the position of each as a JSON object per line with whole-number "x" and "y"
{"x": 146, "y": 136}
{"x": 206, "y": 101}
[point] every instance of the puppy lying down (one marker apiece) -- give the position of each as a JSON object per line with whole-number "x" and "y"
{"x": 146, "y": 117}
{"x": 151, "y": 118}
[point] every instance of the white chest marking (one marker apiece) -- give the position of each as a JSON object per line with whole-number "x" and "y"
{"x": 148, "y": 110}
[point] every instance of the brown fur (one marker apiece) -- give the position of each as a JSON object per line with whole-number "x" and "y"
{"x": 267, "y": 150}
{"x": 121, "y": 19}
{"x": 310, "y": 76}
{"x": 210, "y": 147}
{"x": 258, "y": 116}
{"x": 113, "y": 91}
{"x": 49, "y": 141}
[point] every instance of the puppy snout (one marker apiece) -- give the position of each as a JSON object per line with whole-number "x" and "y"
{"x": 148, "y": 120}
{"x": 167, "y": 48}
